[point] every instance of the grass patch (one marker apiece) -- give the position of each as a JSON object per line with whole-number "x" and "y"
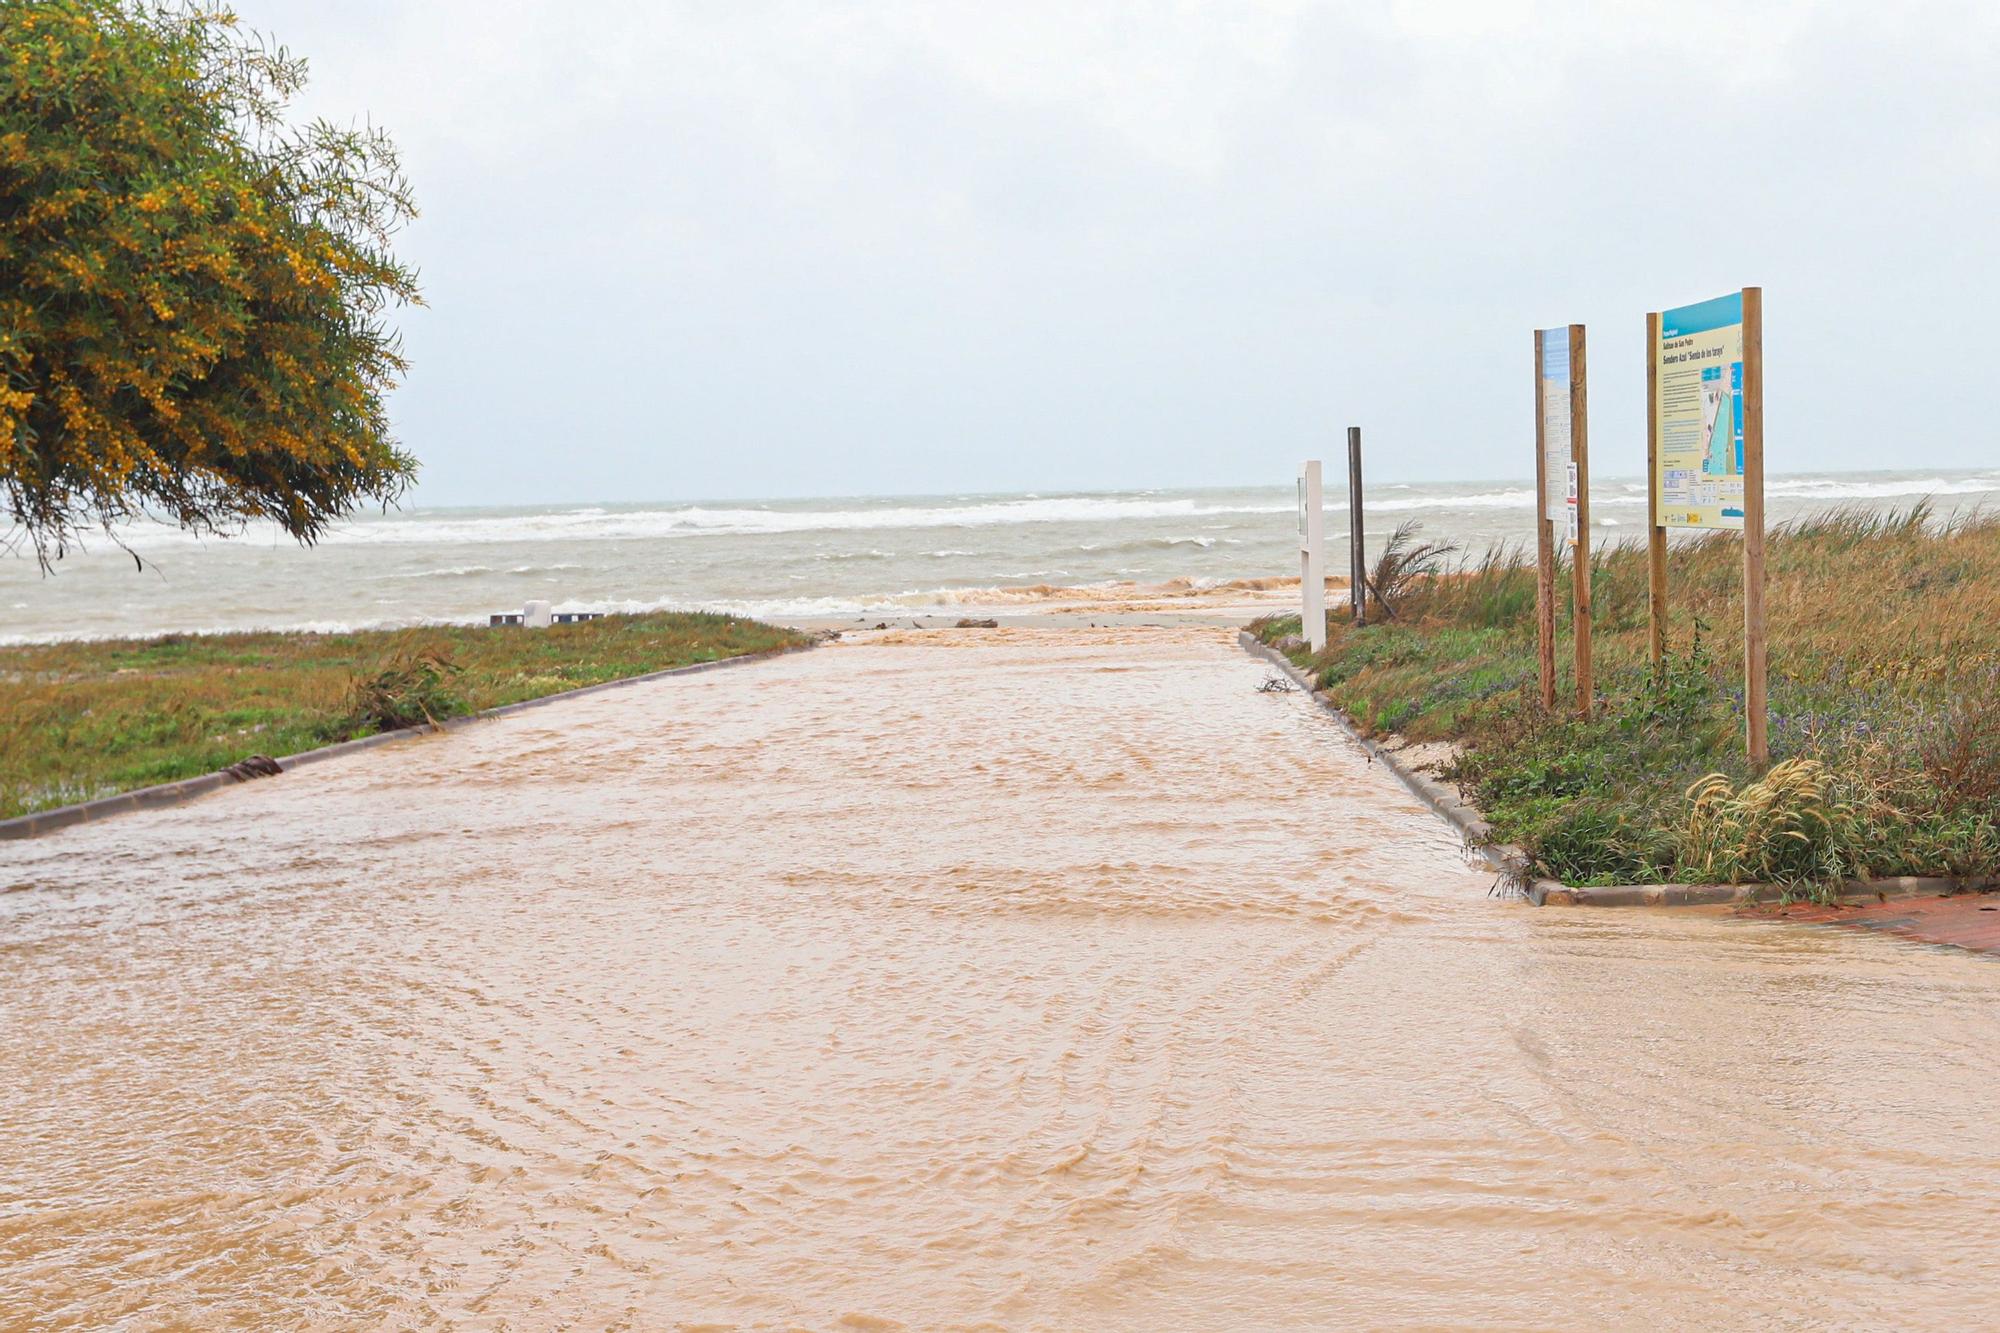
{"x": 83, "y": 720}
{"x": 1884, "y": 704}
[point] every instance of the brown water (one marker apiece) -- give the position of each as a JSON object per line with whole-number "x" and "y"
{"x": 1025, "y": 980}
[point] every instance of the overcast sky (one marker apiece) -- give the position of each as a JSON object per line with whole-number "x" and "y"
{"x": 734, "y": 248}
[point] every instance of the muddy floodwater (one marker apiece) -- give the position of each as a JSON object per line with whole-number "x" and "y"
{"x": 1017, "y": 979}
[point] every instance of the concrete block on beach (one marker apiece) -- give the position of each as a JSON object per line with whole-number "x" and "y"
{"x": 537, "y": 615}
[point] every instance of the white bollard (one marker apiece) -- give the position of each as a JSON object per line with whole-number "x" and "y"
{"x": 1312, "y": 557}
{"x": 537, "y": 615}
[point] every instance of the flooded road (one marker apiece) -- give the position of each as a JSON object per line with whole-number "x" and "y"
{"x": 1024, "y": 979}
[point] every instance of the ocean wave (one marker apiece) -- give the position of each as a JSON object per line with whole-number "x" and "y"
{"x": 1507, "y": 499}
{"x": 1242, "y": 510}
{"x": 469, "y": 571}
{"x": 1848, "y": 488}
{"x": 1832, "y": 491}
{"x": 448, "y": 572}
{"x": 435, "y": 527}
{"x": 314, "y": 626}
{"x": 1161, "y": 544}
{"x": 706, "y": 521}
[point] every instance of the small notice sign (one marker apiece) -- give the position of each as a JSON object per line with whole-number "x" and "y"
{"x": 1570, "y": 507}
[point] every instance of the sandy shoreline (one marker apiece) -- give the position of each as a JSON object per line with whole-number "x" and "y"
{"x": 1231, "y": 603}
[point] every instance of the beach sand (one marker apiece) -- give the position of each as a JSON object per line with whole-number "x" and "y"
{"x": 1228, "y": 603}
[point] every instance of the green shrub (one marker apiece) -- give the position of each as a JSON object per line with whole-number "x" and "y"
{"x": 1587, "y": 843}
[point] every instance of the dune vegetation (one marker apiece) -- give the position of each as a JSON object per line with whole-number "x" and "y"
{"x": 87, "y": 719}
{"x": 1884, "y": 702}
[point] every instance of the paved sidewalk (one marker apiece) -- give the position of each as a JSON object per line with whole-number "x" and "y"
{"x": 1963, "y": 920}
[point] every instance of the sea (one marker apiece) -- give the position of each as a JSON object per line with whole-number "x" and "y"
{"x": 831, "y": 560}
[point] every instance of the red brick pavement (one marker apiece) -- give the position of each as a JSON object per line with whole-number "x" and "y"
{"x": 1965, "y": 920}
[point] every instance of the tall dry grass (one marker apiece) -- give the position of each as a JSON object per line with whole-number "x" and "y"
{"x": 1884, "y": 634}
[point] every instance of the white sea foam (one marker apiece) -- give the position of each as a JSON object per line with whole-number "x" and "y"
{"x": 597, "y": 523}
{"x": 1830, "y": 491}
{"x": 434, "y": 527}
{"x": 447, "y": 572}
{"x": 1507, "y": 499}
{"x": 702, "y": 520}
{"x": 1849, "y": 488}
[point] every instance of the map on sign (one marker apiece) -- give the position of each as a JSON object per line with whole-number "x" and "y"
{"x": 1699, "y": 412}
{"x": 1556, "y": 450}
{"x": 1722, "y": 417}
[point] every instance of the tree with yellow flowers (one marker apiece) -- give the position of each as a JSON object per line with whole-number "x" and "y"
{"x": 194, "y": 293}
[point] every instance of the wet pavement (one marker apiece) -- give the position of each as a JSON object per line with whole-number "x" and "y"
{"x": 1963, "y": 921}
{"x": 1007, "y": 979}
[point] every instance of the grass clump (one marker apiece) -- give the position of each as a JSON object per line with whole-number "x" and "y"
{"x": 1791, "y": 826}
{"x": 1884, "y": 697}
{"x": 415, "y": 688}
{"x": 87, "y": 719}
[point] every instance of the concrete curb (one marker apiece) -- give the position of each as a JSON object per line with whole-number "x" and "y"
{"x": 187, "y": 789}
{"x": 1516, "y": 864}
{"x": 1511, "y": 862}
{"x": 1551, "y": 893}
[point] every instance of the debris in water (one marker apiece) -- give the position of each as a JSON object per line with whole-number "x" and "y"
{"x": 256, "y": 766}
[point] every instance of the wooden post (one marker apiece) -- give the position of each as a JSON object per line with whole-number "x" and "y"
{"x": 1755, "y": 648}
{"x": 1545, "y": 544}
{"x": 1579, "y": 444}
{"x": 1356, "y": 536}
{"x": 1656, "y": 535}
